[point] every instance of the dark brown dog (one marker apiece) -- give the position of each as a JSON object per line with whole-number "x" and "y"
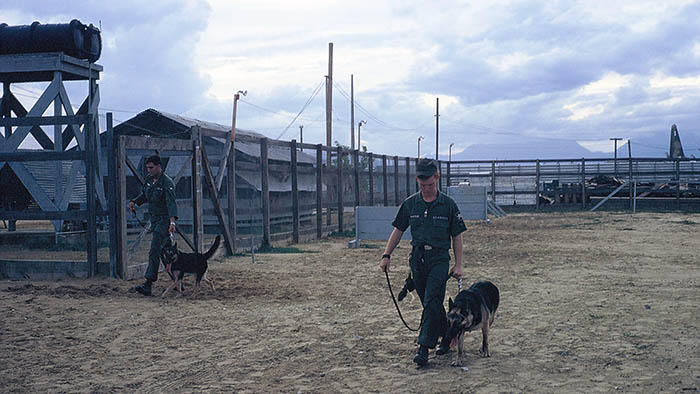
{"x": 472, "y": 309}
{"x": 188, "y": 263}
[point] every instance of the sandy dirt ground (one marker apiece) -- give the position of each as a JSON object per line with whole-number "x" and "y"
{"x": 590, "y": 302}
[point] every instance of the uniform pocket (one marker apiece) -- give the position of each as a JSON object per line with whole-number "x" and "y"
{"x": 157, "y": 193}
{"x": 415, "y": 222}
{"x": 440, "y": 222}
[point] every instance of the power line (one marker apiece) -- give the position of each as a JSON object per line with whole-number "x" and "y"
{"x": 306, "y": 104}
{"x": 369, "y": 114}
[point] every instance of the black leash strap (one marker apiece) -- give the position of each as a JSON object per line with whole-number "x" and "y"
{"x": 142, "y": 224}
{"x": 388, "y": 283}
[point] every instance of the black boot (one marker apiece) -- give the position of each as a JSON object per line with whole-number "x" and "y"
{"x": 145, "y": 289}
{"x": 444, "y": 347}
{"x": 421, "y": 357}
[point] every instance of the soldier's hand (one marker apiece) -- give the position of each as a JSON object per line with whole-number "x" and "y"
{"x": 456, "y": 271}
{"x": 384, "y": 264}
{"x": 131, "y": 206}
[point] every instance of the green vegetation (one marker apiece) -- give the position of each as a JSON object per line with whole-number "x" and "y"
{"x": 274, "y": 249}
{"x": 344, "y": 234}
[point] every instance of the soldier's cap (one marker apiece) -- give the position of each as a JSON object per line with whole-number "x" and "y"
{"x": 426, "y": 168}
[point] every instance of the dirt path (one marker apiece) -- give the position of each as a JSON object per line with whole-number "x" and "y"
{"x": 604, "y": 302}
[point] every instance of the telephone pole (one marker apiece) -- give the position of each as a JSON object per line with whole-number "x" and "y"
{"x": 329, "y": 101}
{"x": 329, "y": 119}
{"x": 437, "y": 126}
{"x": 352, "y": 115}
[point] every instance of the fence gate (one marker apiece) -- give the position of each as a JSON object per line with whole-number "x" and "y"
{"x": 129, "y": 254}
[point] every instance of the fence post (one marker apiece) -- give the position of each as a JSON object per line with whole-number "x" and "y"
{"x": 90, "y": 175}
{"x": 408, "y": 177}
{"x": 295, "y": 193}
{"x": 678, "y": 184}
{"x": 231, "y": 192}
{"x": 448, "y": 181}
{"x": 371, "y": 179}
{"x": 197, "y": 211}
{"x": 264, "y": 168}
{"x": 356, "y": 164}
{"x": 537, "y": 185}
{"x": 120, "y": 145}
{"x": 631, "y": 190}
{"x": 319, "y": 191}
{"x": 329, "y": 157}
{"x": 493, "y": 181}
{"x": 396, "y": 180}
{"x": 384, "y": 177}
{"x": 416, "y": 166}
{"x": 341, "y": 188}
{"x": 583, "y": 182}
{"x": 112, "y": 197}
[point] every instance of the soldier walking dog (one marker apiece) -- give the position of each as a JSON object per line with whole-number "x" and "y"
{"x": 435, "y": 220}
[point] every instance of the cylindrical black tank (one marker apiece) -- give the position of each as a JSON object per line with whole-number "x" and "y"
{"x": 74, "y": 39}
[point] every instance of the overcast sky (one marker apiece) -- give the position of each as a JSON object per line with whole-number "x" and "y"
{"x": 504, "y": 71}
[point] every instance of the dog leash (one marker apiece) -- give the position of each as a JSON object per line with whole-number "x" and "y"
{"x": 396, "y": 304}
{"x": 142, "y": 224}
{"x": 388, "y": 283}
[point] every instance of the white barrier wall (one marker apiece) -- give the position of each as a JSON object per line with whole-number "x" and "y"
{"x": 374, "y": 223}
{"x": 471, "y": 201}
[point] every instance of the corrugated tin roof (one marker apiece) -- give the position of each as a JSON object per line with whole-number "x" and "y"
{"x": 158, "y": 123}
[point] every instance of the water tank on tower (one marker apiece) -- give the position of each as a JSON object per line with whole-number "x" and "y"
{"x": 74, "y": 39}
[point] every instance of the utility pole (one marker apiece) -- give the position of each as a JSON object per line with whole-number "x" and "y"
{"x": 615, "y": 156}
{"x": 352, "y": 115}
{"x": 359, "y": 126}
{"x": 329, "y": 121}
{"x": 329, "y": 103}
{"x": 231, "y": 173}
{"x": 437, "y": 126}
{"x": 419, "y": 140}
{"x": 301, "y": 136}
{"x": 449, "y": 155}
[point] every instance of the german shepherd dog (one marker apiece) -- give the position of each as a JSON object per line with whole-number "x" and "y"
{"x": 188, "y": 263}
{"x": 472, "y": 309}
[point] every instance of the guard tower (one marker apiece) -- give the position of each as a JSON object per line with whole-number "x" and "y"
{"x": 53, "y": 175}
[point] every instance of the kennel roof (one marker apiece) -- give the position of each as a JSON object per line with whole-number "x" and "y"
{"x": 152, "y": 122}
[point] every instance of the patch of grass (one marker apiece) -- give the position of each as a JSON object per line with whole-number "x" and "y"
{"x": 369, "y": 246}
{"x": 689, "y": 222}
{"x": 596, "y": 317}
{"x": 274, "y": 249}
{"x": 53, "y": 247}
{"x": 629, "y": 335}
{"x": 343, "y": 234}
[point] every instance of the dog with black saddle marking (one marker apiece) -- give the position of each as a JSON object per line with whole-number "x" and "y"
{"x": 472, "y": 309}
{"x": 188, "y": 263}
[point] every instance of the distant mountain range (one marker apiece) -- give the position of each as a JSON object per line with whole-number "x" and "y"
{"x": 656, "y": 145}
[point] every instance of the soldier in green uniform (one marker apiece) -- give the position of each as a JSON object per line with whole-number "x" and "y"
{"x": 159, "y": 193}
{"x": 435, "y": 220}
